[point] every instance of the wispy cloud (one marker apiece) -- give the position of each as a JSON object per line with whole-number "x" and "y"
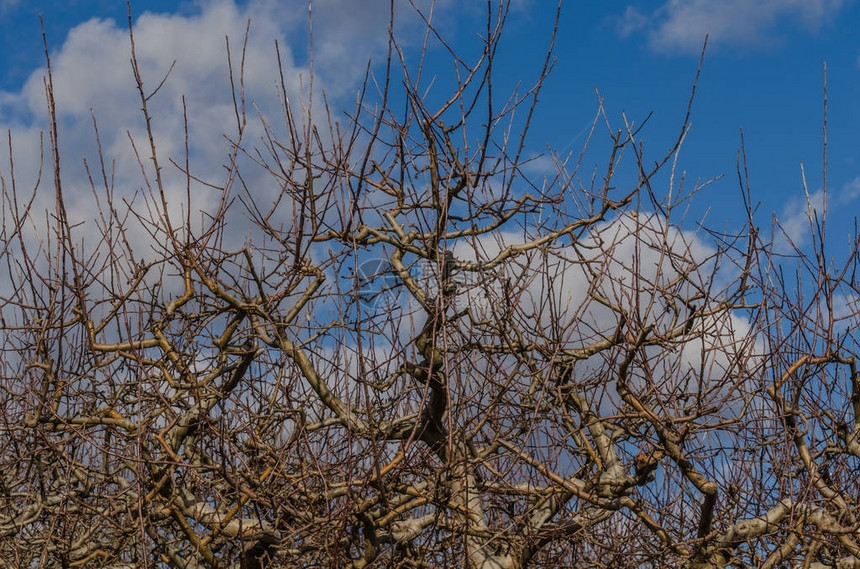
{"x": 798, "y": 219}
{"x": 800, "y": 214}
{"x": 7, "y": 4}
{"x": 681, "y": 25}
{"x": 850, "y": 191}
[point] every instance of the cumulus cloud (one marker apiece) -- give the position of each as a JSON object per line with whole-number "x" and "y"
{"x": 681, "y": 25}
{"x": 92, "y": 78}
{"x": 652, "y": 270}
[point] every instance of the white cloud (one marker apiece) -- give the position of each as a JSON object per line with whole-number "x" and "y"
{"x": 644, "y": 265}
{"x": 850, "y": 192}
{"x": 801, "y": 213}
{"x": 92, "y": 75}
{"x": 681, "y": 25}
{"x": 797, "y": 219}
{"x": 632, "y": 21}
{"x": 846, "y": 308}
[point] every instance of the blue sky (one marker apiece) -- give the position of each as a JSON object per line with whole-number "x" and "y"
{"x": 762, "y": 73}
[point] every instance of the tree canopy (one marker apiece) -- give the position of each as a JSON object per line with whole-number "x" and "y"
{"x": 388, "y": 343}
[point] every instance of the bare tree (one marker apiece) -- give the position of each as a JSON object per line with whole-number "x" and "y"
{"x": 420, "y": 356}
